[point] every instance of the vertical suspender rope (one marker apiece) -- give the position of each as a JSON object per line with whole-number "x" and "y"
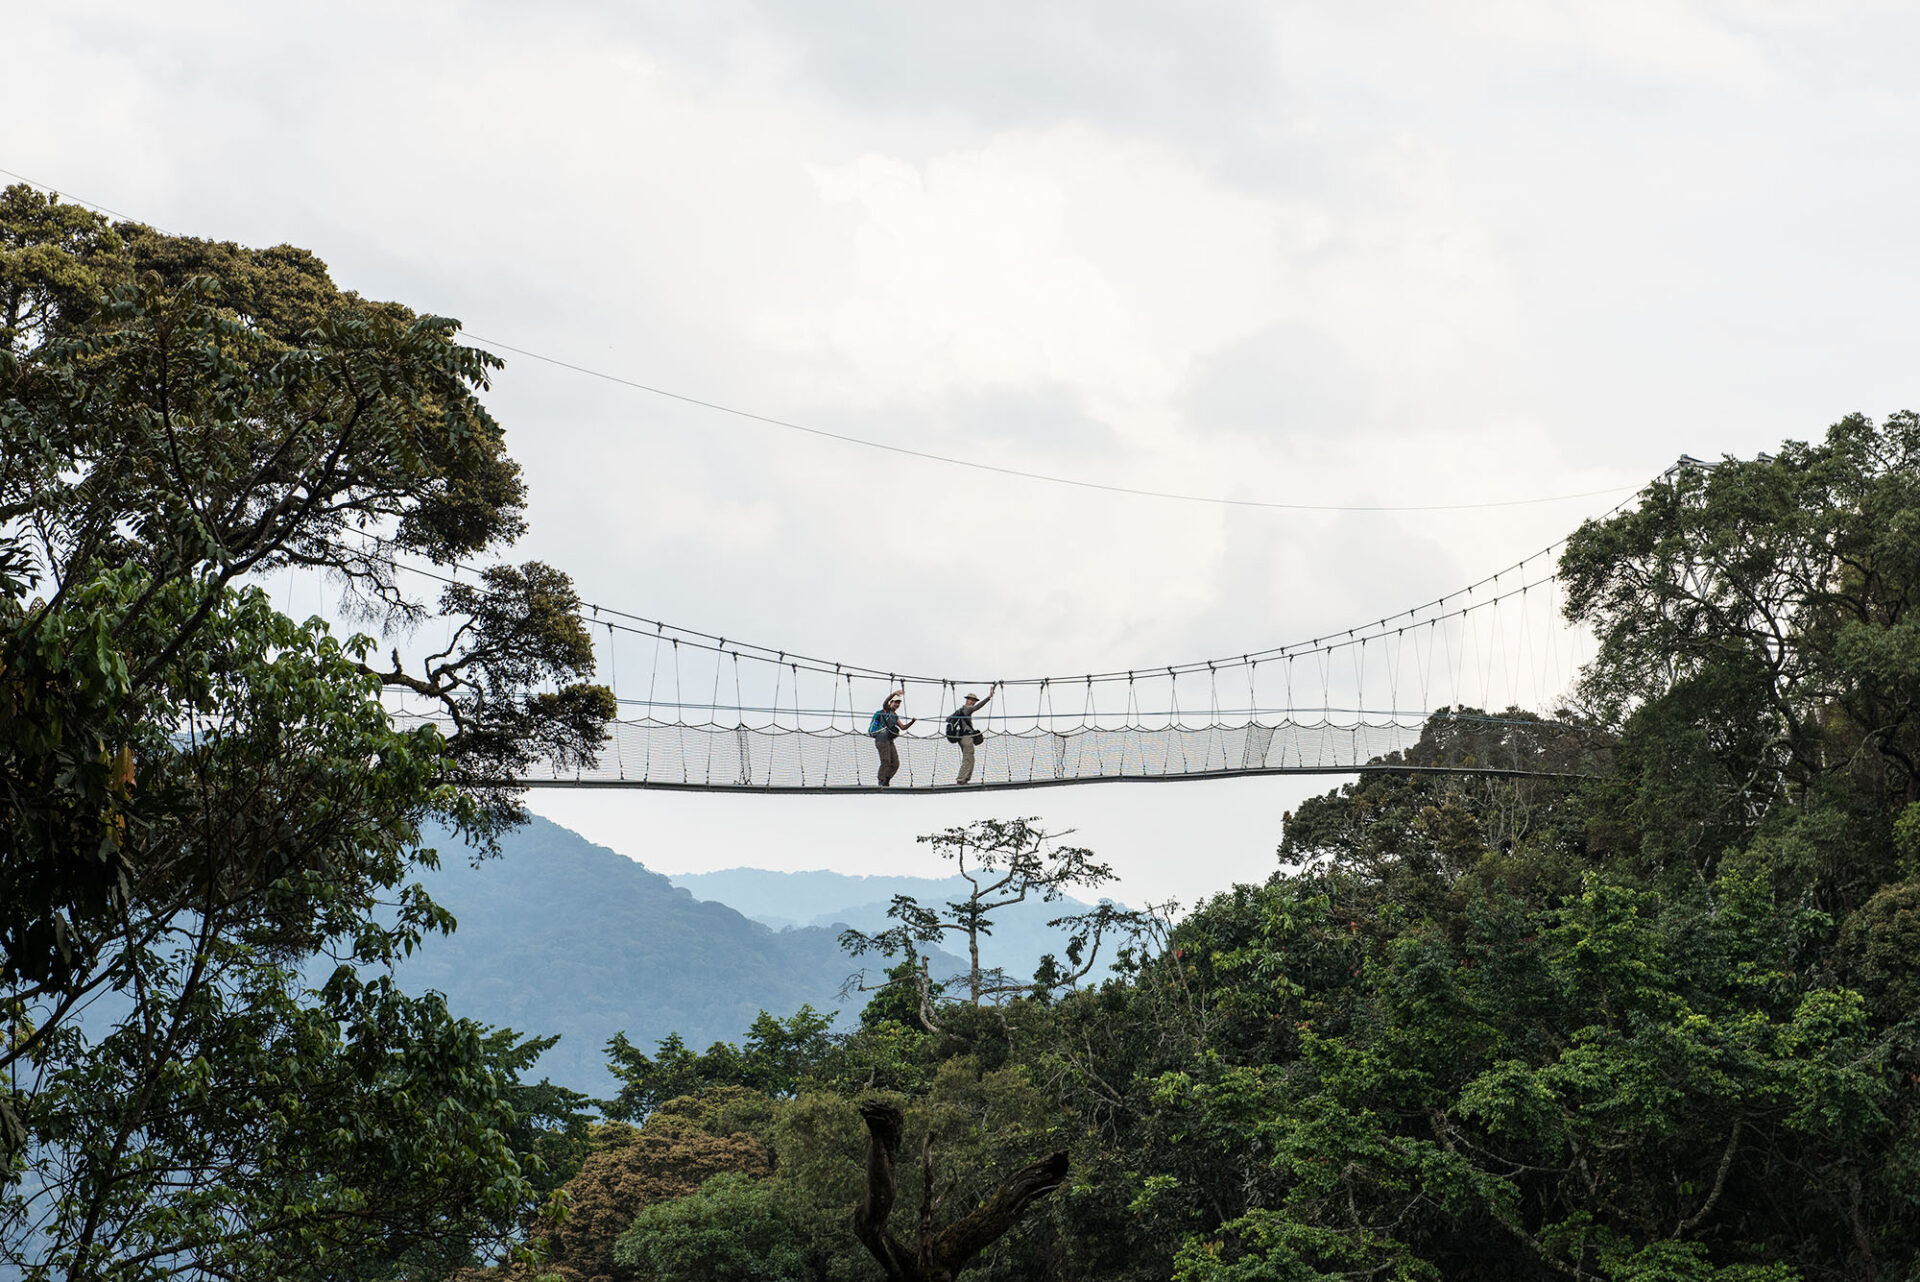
{"x": 1293, "y": 720}
{"x": 1395, "y": 657}
{"x": 949, "y": 699}
{"x": 1130, "y": 717}
{"x": 1524, "y": 663}
{"x": 613, "y": 679}
{"x": 1326, "y": 703}
{"x": 1213, "y": 734}
{"x": 1506, "y": 698}
{"x": 1250, "y": 666}
{"x": 1483, "y": 661}
{"x": 1528, "y": 661}
{"x": 1175, "y": 727}
{"x": 679, "y": 707}
{"x": 1426, "y": 669}
{"x": 653, "y": 679}
{"x": 742, "y": 740}
{"x": 773, "y": 724}
{"x": 800, "y": 738}
{"x": 1554, "y": 679}
{"x": 713, "y": 705}
{"x": 1360, "y": 701}
{"x": 1470, "y": 647}
{"x": 1360, "y": 680}
{"x": 1054, "y": 739}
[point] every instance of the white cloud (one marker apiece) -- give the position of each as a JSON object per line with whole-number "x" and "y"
{"x": 1061, "y": 255}
{"x": 1699, "y": 45}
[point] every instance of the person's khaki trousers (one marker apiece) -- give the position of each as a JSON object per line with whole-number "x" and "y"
{"x": 966, "y": 759}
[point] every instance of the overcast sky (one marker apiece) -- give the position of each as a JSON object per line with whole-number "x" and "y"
{"x": 1341, "y": 253}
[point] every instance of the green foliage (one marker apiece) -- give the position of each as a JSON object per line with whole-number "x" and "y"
{"x": 1003, "y": 862}
{"x": 164, "y": 1143}
{"x": 1758, "y": 649}
{"x": 550, "y": 1130}
{"x": 198, "y": 795}
{"x": 777, "y": 1056}
{"x": 1906, "y": 841}
{"x": 735, "y": 1229}
{"x": 1650, "y": 1013}
{"x": 632, "y": 1169}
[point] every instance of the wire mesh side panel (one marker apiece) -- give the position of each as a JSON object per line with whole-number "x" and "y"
{"x": 742, "y": 758}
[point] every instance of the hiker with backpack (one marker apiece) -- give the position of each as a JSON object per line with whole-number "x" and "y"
{"x": 885, "y": 728}
{"x": 960, "y": 730}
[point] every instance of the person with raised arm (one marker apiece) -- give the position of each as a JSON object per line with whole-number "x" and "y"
{"x": 960, "y": 730}
{"x": 885, "y": 728}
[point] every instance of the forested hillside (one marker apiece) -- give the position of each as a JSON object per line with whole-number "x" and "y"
{"x": 806, "y": 898}
{"x": 559, "y": 936}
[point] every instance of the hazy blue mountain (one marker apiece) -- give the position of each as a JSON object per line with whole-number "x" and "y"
{"x": 801, "y": 900}
{"x": 559, "y": 935}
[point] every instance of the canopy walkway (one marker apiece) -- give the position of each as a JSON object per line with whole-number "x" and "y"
{"x": 704, "y": 712}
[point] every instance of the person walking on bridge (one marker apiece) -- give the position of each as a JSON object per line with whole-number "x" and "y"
{"x": 960, "y": 730}
{"x": 885, "y": 728}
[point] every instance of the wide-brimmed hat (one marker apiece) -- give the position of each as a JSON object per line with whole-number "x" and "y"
{"x": 971, "y": 698}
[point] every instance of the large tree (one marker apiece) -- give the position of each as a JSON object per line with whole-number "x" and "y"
{"x": 1760, "y": 648}
{"x": 1657, "y": 1026}
{"x": 1004, "y": 862}
{"x": 199, "y": 795}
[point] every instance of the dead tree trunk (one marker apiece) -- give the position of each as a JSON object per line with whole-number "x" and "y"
{"x": 938, "y": 1257}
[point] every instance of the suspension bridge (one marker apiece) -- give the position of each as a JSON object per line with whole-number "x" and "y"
{"x": 705, "y": 712}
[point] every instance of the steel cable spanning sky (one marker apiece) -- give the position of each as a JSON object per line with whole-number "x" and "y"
{"x": 949, "y": 460}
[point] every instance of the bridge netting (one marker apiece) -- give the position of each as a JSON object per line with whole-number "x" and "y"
{"x": 702, "y": 711}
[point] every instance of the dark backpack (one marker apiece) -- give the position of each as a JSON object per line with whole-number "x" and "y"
{"x": 959, "y": 724}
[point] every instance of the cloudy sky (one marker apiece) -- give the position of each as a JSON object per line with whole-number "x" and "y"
{"x": 1348, "y": 253}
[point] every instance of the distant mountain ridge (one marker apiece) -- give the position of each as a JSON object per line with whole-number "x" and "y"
{"x": 824, "y": 899}
{"x": 788, "y": 899}
{"x": 559, "y": 935}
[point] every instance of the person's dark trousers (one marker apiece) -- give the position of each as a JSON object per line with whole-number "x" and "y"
{"x": 889, "y": 759}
